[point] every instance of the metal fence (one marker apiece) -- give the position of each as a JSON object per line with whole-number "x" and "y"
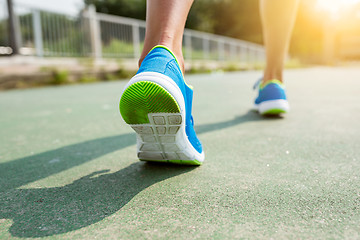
{"x": 97, "y": 35}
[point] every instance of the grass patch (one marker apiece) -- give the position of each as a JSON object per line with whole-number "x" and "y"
{"x": 60, "y": 77}
{"x": 87, "y": 79}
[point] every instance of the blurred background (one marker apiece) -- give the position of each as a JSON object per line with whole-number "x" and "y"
{"x": 48, "y": 42}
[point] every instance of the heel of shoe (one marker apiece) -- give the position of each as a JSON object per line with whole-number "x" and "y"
{"x": 274, "y": 107}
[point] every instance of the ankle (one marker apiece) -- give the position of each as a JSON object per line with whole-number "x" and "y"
{"x": 271, "y": 74}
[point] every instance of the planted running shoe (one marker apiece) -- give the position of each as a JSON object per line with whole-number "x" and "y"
{"x": 272, "y": 98}
{"x": 157, "y": 104}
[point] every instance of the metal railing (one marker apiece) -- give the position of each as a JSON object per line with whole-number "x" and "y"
{"x": 90, "y": 34}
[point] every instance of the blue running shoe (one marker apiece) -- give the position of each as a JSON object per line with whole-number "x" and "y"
{"x": 272, "y": 98}
{"x": 157, "y": 104}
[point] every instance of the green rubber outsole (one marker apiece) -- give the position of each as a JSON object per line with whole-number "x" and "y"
{"x": 274, "y": 111}
{"x": 144, "y": 97}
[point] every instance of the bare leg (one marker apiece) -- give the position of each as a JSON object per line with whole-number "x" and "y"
{"x": 278, "y": 17}
{"x": 165, "y": 22}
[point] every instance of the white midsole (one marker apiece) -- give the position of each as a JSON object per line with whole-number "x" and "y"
{"x": 272, "y": 104}
{"x": 169, "y": 84}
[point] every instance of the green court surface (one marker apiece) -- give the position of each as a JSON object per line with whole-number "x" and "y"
{"x": 68, "y": 166}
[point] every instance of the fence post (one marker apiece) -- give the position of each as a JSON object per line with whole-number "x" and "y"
{"x": 241, "y": 53}
{"x": 37, "y": 28}
{"x": 221, "y": 54}
{"x": 206, "y": 47}
{"x": 247, "y": 55}
{"x": 14, "y": 29}
{"x": 253, "y": 56}
{"x": 136, "y": 39}
{"x": 232, "y": 50}
{"x": 256, "y": 55}
{"x": 95, "y": 33}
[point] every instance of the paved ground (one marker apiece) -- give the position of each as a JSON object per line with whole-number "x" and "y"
{"x": 68, "y": 167}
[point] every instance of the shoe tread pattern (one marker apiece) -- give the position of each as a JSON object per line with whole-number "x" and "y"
{"x": 144, "y": 97}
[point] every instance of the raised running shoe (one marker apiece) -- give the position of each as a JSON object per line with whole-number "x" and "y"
{"x": 272, "y": 98}
{"x": 157, "y": 104}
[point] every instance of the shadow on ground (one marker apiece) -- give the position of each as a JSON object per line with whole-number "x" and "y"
{"x": 49, "y": 211}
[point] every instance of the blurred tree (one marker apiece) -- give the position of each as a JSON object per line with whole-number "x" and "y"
{"x": 202, "y": 15}
{"x": 233, "y": 18}
{"x": 239, "y": 19}
{"x": 127, "y": 8}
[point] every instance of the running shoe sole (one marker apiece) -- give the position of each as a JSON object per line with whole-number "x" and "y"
{"x": 153, "y": 105}
{"x": 273, "y": 107}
